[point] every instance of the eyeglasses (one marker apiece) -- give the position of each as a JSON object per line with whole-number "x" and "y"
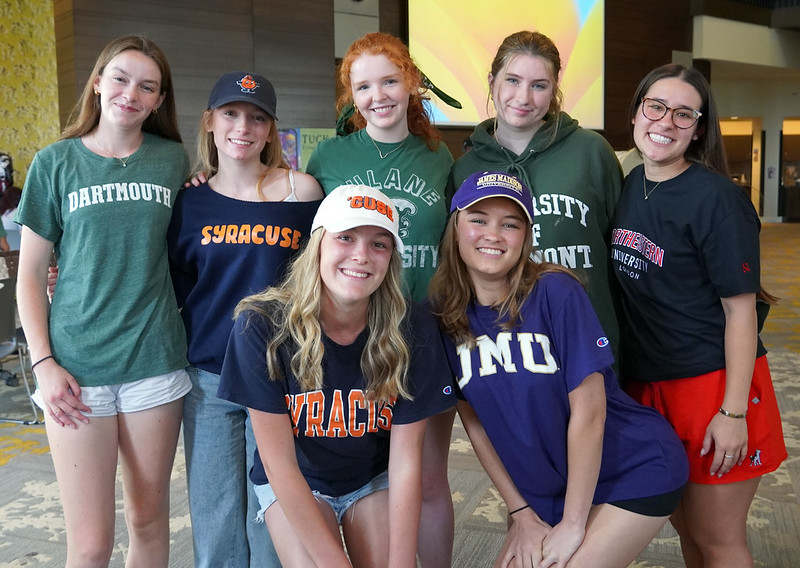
{"x": 653, "y": 109}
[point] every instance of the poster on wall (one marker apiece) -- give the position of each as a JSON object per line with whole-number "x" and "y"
{"x": 454, "y": 41}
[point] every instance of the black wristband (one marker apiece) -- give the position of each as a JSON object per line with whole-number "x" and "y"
{"x": 41, "y": 360}
{"x": 518, "y": 510}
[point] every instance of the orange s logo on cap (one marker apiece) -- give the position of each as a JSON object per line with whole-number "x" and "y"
{"x": 372, "y": 204}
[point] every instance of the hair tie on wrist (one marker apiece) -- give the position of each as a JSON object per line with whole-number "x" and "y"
{"x": 520, "y": 509}
{"x": 731, "y": 414}
{"x": 42, "y": 359}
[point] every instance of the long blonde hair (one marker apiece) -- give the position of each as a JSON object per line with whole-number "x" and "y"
{"x": 294, "y": 310}
{"x": 451, "y": 289}
{"x": 86, "y": 114}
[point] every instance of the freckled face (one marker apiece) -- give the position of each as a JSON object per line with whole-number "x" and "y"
{"x": 380, "y": 95}
{"x": 490, "y": 237}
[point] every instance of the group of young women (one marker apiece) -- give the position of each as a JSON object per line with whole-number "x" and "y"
{"x": 333, "y": 389}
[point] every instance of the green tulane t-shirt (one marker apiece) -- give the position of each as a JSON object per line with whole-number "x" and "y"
{"x": 114, "y": 318}
{"x": 412, "y": 175}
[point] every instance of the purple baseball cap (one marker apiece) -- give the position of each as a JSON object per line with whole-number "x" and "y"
{"x": 483, "y": 185}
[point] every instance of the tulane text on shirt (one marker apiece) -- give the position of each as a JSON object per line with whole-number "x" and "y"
{"x": 530, "y": 349}
{"x": 339, "y": 414}
{"x": 394, "y": 181}
{"x": 111, "y": 192}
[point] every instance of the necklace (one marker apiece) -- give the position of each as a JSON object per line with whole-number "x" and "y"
{"x": 123, "y": 161}
{"x": 647, "y": 194}
{"x": 390, "y": 152}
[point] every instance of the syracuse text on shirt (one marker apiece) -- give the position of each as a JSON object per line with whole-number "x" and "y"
{"x": 538, "y": 359}
{"x": 284, "y": 237}
{"x": 335, "y": 417}
{"x": 111, "y": 192}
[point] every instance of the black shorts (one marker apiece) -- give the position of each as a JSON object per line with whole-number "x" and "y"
{"x": 656, "y": 506}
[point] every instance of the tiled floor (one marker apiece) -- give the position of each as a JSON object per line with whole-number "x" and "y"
{"x": 31, "y": 528}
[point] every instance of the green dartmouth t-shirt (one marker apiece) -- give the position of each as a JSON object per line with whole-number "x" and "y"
{"x": 412, "y": 175}
{"x": 114, "y": 318}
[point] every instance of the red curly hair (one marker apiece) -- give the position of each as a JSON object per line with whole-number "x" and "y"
{"x": 419, "y": 122}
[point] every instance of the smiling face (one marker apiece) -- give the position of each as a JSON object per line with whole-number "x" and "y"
{"x": 490, "y": 236}
{"x": 353, "y": 264}
{"x": 130, "y": 89}
{"x": 380, "y": 96}
{"x": 241, "y": 130}
{"x": 662, "y": 144}
{"x": 522, "y": 92}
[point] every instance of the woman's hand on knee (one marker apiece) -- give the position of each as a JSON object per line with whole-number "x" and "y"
{"x": 560, "y": 544}
{"x": 523, "y": 545}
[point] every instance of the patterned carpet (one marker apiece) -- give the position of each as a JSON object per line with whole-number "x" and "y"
{"x": 32, "y": 530}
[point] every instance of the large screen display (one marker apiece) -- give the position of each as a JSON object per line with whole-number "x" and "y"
{"x": 454, "y": 42}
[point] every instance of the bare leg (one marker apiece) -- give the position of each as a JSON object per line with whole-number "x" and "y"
{"x": 714, "y": 524}
{"x": 85, "y": 461}
{"x": 614, "y": 537}
{"x": 437, "y": 521}
{"x": 366, "y": 531}
{"x": 147, "y": 441}
{"x": 290, "y": 550}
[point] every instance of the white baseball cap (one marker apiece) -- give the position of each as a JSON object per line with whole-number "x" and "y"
{"x": 351, "y": 206}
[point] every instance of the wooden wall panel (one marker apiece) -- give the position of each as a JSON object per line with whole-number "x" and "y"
{"x": 204, "y": 39}
{"x": 640, "y": 35}
{"x": 293, "y": 42}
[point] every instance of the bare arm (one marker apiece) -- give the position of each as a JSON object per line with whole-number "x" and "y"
{"x": 729, "y": 435}
{"x": 405, "y": 492}
{"x": 587, "y": 404}
{"x": 276, "y": 446}
{"x": 60, "y": 391}
{"x": 523, "y": 545}
{"x": 306, "y": 187}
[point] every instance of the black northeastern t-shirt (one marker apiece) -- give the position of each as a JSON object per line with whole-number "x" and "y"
{"x": 676, "y": 254}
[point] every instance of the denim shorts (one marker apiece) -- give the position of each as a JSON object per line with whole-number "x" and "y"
{"x": 340, "y": 505}
{"x": 134, "y": 396}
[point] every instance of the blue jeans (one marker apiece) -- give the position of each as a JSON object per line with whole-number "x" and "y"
{"x": 219, "y": 443}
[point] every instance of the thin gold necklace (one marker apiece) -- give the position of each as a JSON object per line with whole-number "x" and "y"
{"x": 123, "y": 161}
{"x": 390, "y": 152}
{"x": 647, "y": 194}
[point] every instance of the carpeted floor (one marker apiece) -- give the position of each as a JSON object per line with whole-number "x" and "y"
{"x": 32, "y": 530}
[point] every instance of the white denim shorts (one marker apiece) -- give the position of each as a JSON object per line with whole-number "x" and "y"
{"x": 143, "y": 394}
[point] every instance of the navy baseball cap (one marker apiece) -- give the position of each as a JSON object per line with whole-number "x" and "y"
{"x": 483, "y": 185}
{"x": 241, "y": 86}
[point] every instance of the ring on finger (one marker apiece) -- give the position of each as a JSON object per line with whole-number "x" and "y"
{"x": 729, "y": 456}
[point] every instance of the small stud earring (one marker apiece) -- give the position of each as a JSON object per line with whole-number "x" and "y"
{"x": 155, "y": 111}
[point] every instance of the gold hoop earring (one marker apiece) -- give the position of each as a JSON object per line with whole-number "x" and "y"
{"x": 155, "y": 111}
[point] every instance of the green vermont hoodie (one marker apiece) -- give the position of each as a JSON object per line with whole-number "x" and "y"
{"x": 575, "y": 179}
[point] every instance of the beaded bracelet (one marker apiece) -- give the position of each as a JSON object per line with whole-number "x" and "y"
{"x": 518, "y": 510}
{"x": 731, "y": 414}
